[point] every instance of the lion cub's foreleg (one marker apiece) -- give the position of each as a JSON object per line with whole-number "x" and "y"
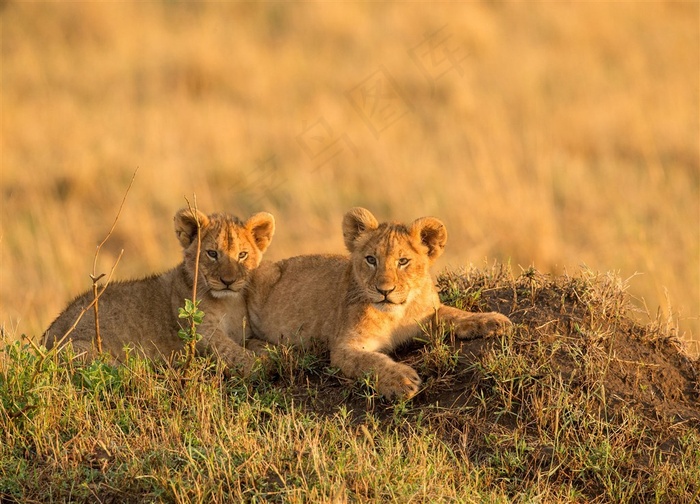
{"x": 357, "y": 355}
{"x": 238, "y": 360}
{"x": 392, "y": 379}
{"x": 470, "y": 325}
{"x": 226, "y": 343}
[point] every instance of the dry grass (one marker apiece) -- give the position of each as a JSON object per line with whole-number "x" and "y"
{"x": 558, "y": 134}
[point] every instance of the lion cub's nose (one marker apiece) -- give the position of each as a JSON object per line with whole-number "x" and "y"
{"x": 384, "y": 291}
{"x": 227, "y": 283}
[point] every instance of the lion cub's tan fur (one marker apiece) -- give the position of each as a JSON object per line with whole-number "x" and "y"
{"x": 143, "y": 314}
{"x": 366, "y": 304}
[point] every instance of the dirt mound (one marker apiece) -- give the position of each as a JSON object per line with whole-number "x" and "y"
{"x": 581, "y": 324}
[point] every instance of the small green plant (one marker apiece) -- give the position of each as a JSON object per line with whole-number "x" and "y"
{"x": 97, "y": 377}
{"x": 194, "y": 317}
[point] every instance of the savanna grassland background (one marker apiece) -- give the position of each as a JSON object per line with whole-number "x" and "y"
{"x": 551, "y": 134}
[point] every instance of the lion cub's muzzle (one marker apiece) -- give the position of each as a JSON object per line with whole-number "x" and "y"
{"x": 232, "y": 285}
{"x": 230, "y": 279}
{"x": 386, "y": 295}
{"x": 224, "y": 286}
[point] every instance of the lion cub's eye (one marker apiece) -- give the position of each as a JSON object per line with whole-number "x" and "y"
{"x": 404, "y": 261}
{"x": 213, "y": 254}
{"x": 242, "y": 256}
{"x": 371, "y": 260}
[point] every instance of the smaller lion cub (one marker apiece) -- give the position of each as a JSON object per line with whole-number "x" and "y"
{"x": 364, "y": 305}
{"x": 143, "y": 314}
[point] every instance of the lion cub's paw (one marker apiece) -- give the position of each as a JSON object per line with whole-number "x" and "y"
{"x": 480, "y": 325}
{"x": 257, "y": 346}
{"x": 242, "y": 363}
{"x": 398, "y": 381}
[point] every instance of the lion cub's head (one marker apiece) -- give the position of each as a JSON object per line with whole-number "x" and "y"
{"x": 230, "y": 249}
{"x": 390, "y": 260}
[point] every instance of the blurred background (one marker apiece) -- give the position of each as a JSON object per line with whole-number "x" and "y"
{"x": 553, "y": 134}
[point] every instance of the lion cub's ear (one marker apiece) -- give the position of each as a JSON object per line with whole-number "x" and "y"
{"x": 432, "y": 233}
{"x": 186, "y": 225}
{"x": 262, "y": 226}
{"x": 356, "y": 221}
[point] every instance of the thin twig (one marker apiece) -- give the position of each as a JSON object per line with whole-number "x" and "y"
{"x": 95, "y": 278}
{"x": 193, "y": 326}
{"x": 98, "y": 337}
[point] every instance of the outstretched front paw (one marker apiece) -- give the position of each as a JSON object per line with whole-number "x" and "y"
{"x": 481, "y": 325}
{"x": 398, "y": 381}
{"x": 237, "y": 360}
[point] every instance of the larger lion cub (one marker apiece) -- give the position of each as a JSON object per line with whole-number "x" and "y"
{"x": 366, "y": 304}
{"x": 143, "y": 314}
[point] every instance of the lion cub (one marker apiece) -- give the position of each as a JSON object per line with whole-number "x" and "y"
{"x": 143, "y": 314}
{"x": 366, "y": 304}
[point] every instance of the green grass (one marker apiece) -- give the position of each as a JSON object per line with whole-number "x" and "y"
{"x": 579, "y": 404}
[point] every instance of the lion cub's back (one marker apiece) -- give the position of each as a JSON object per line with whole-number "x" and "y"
{"x": 138, "y": 313}
{"x": 298, "y": 298}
